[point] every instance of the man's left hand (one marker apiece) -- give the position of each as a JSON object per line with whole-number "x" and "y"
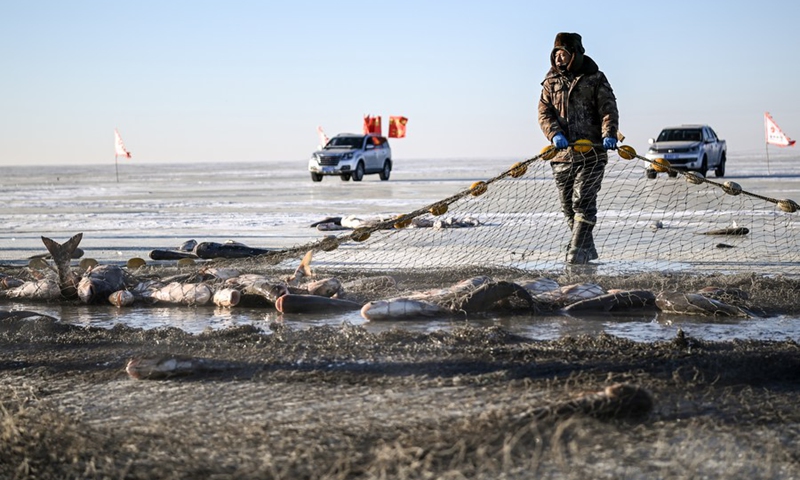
{"x": 609, "y": 143}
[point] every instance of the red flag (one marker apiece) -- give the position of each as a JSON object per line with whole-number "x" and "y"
{"x": 397, "y": 127}
{"x": 774, "y": 134}
{"x": 119, "y": 147}
{"x": 372, "y": 125}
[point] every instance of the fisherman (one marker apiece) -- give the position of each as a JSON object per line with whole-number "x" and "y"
{"x": 577, "y": 102}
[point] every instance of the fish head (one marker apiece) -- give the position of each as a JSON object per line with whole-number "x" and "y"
{"x": 86, "y": 290}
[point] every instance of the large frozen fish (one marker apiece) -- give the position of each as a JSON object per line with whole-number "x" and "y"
{"x": 226, "y": 297}
{"x": 210, "y": 250}
{"x": 569, "y": 294}
{"x": 169, "y": 366}
{"x": 614, "y": 301}
{"x": 45, "y": 289}
{"x": 489, "y": 294}
{"x": 122, "y": 298}
{"x": 292, "y": 303}
{"x": 474, "y": 294}
{"x": 182, "y": 294}
{"x": 399, "y": 308}
{"x": 100, "y": 282}
{"x": 327, "y": 287}
{"x": 62, "y": 256}
{"x": 696, "y": 304}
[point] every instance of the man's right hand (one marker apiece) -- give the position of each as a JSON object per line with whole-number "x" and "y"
{"x": 560, "y": 141}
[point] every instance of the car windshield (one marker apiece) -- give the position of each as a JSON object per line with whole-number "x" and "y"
{"x": 345, "y": 142}
{"x": 680, "y": 135}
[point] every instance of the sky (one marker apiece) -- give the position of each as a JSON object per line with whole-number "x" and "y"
{"x": 250, "y": 81}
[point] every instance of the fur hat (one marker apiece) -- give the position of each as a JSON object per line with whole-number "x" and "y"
{"x": 571, "y": 42}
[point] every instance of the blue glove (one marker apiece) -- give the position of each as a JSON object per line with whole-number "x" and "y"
{"x": 609, "y": 143}
{"x": 560, "y": 141}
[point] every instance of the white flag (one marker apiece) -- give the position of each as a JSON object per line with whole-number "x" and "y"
{"x": 323, "y": 139}
{"x": 774, "y": 134}
{"x": 119, "y": 147}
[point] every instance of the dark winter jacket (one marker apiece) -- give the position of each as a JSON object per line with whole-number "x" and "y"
{"x": 579, "y": 102}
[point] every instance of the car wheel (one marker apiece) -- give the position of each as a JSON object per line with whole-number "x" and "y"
{"x": 672, "y": 173}
{"x": 387, "y": 170}
{"x": 650, "y": 173}
{"x": 358, "y": 174}
{"x": 317, "y": 177}
{"x": 704, "y": 166}
{"x": 345, "y": 177}
{"x": 720, "y": 171}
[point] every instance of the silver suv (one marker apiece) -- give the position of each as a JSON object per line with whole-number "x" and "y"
{"x": 350, "y": 155}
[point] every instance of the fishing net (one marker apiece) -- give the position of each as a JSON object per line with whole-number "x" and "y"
{"x": 657, "y": 228}
{"x": 650, "y": 218}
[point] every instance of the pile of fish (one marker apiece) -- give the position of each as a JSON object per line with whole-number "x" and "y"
{"x": 352, "y": 222}
{"x": 302, "y": 292}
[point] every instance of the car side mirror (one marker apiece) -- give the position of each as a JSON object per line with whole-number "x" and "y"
{"x": 651, "y": 141}
{"x": 370, "y": 146}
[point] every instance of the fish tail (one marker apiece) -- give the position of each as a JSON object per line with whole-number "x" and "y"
{"x": 305, "y": 264}
{"x": 62, "y": 254}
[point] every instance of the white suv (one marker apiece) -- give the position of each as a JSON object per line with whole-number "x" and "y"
{"x": 350, "y": 155}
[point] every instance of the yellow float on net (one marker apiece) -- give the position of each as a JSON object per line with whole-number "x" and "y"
{"x": 732, "y": 188}
{"x": 329, "y": 243}
{"x": 186, "y": 262}
{"x": 87, "y": 263}
{"x": 788, "y": 206}
{"x": 360, "y": 234}
{"x": 478, "y": 188}
{"x": 402, "y": 223}
{"x": 626, "y": 152}
{"x": 136, "y": 262}
{"x": 38, "y": 263}
{"x": 438, "y": 209}
{"x": 582, "y": 146}
{"x": 661, "y": 165}
{"x": 548, "y": 152}
{"x": 518, "y": 170}
{"x": 694, "y": 178}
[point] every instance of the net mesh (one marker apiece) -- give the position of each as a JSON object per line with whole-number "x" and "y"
{"x": 675, "y": 222}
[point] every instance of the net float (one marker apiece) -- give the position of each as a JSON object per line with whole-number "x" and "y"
{"x": 626, "y": 152}
{"x": 478, "y": 188}
{"x": 518, "y": 170}
{"x": 583, "y": 145}
{"x": 548, "y": 152}
{"x": 438, "y": 209}
{"x": 360, "y": 235}
{"x": 661, "y": 165}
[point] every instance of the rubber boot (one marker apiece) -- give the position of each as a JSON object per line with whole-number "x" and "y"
{"x": 571, "y": 225}
{"x": 582, "y": 248}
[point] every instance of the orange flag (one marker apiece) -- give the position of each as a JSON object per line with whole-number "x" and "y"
{"x": 119, "y": 147}
{"x": 774, "y": 134}
{"x": 397, "y": 127}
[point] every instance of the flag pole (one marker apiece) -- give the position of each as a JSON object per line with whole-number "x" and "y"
{"x": 116, "y": 167}
{"x": 766, "y": 147}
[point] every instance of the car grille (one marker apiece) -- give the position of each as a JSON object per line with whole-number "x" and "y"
{"x": 328, "y": 160}
{"x": 672, "y": 150}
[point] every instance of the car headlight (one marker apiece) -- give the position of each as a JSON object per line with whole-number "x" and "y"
{"x": 347, "y": 156}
